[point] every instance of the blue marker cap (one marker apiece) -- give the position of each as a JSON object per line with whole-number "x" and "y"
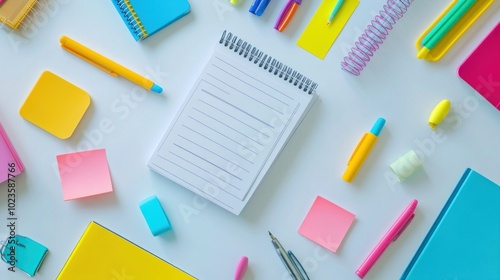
{"x": 156, "y": 88}
{"x": 258, "y": 7}
{"x": 377, "y": 127}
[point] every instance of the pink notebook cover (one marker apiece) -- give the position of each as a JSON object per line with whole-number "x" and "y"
{"x": 8, "y": 155}
{"x": 481, "y": 70}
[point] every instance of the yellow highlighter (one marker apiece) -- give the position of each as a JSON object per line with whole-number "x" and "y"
{"x": 362, "y": 150}
{"x": 106, "y": 64}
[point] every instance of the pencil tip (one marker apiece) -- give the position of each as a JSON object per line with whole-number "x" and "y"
{"x": 270, "y": 234}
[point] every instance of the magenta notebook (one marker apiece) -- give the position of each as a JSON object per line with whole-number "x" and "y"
{"x": 481, "y": 70}
{"x": 8, "y": 158}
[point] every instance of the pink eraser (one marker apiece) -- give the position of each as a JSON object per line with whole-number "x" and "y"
{"x": 241, "y": 268}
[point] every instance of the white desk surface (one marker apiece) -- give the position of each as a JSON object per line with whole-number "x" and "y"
{"x": 207, "y": 241}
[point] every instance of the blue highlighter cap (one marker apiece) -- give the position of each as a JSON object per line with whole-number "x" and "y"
{"x": 156, "y": 88}
{"x": 377, "y": 127}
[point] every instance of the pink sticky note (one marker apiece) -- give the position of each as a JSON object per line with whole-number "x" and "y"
{"x": 326, "y": 224}
{"x": 84, "y": 174}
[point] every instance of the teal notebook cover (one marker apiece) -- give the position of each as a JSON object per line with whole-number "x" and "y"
{"x": 146, "y": 17}
{"x": 464, "y": 241}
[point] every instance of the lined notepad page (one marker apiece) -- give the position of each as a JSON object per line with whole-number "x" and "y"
{"x": 232, "y": 126}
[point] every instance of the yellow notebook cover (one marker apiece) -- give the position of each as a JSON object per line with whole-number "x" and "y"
{"x": 103, "y": 254}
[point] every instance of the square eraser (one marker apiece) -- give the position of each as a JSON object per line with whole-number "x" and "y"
{"x": 155, "y": 216}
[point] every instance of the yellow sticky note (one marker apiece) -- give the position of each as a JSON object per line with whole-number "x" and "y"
{"x": 55, "y": 105}
{"x": 318, "y": 37}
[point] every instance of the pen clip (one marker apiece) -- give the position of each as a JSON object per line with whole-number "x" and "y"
{"x": 90, "y": 61}
{"x": 357, "y": 148}
{"x": 404, "y": 227}
{"x": 298, "y": 266}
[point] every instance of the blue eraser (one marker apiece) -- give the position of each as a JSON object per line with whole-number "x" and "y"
{"x": 155, "y": 215}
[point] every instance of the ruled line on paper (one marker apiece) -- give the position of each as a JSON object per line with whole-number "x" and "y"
{"x": 231, "y": 128}
{"x": 220, "y": 144}
{"x": 244, "y": 74}
{"x": 238, "y": 108}
{"x": 247, "y": 95}
{"x": 200, "y": 168}
{"x": 238, "y": 120}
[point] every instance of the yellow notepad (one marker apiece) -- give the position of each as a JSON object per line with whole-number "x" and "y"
{"x": 55, "y": 105}
{"x": 103, "y": 254}
{"x": 318, "y": 37}
{"x": 13, "y": 12}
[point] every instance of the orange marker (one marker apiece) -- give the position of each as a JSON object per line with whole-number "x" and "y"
{"x": 287, "y": 14}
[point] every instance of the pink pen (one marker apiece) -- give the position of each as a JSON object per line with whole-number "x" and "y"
{"x": 394, "y": 232}
{"x": 241, "y": 268}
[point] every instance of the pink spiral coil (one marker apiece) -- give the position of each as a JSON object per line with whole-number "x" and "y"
{"x": 374, "y": 35}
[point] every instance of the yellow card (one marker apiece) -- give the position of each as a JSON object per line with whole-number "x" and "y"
{"x": 101, "y": 254}
{"x": 55, "y": 105}
{"x": 318, "y": 37}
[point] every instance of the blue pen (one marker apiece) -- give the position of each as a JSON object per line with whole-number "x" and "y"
{"x": 258, "y": 7}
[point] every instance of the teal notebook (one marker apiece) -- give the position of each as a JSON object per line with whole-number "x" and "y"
{"x": 146, "y": 17}
{"x": 464, "y": 241}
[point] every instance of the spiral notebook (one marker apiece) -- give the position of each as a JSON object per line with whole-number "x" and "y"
{"x": 146, "y": 17}
{"x": 235, "y": 121}
{"x": 14, "y": 12}
{"x": 464, "y": 241}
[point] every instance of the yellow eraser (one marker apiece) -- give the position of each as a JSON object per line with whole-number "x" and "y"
{"x": 439, "y": 113}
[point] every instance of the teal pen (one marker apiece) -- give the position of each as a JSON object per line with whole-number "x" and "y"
{"x": 335, "y": 11}
{"x": 444, "y": 25}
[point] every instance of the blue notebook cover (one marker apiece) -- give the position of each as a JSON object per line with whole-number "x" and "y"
{"x": 146, "y": 17}
{"x": 464, "y": 241}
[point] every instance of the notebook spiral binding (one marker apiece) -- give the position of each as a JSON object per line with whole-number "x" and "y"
{"x": 267, "y": 62}
{"x": 132, "y": 19}
{"x": 374, "y": 35}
